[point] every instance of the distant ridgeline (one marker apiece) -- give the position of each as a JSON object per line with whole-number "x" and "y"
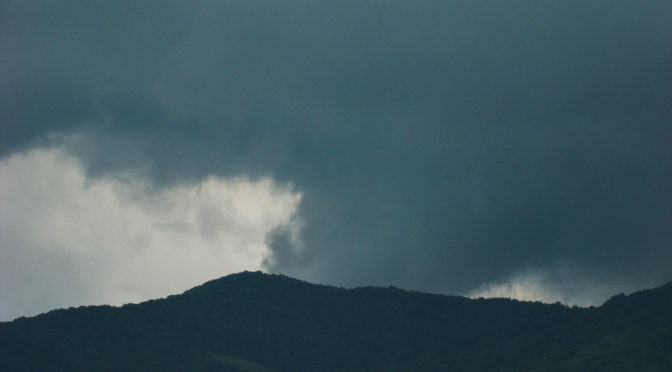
{"x": 259, "y": 322}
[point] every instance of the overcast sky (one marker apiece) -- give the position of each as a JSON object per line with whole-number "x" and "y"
{"x": 465, "y": 147}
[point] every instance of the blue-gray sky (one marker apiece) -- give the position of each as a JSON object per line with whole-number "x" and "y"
{"x": 454, "y": 147}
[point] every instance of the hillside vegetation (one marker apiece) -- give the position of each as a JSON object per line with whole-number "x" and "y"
{"x": 259, "y": 322}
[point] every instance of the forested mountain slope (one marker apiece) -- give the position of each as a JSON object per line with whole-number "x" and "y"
{"x": 260, "y": 322}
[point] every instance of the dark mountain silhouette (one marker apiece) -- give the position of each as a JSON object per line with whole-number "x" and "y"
{"x": 259, "y": 322}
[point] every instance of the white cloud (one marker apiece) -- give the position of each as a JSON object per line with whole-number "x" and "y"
{"x": 550, "y": 286}
{"x": 67, "y": 240}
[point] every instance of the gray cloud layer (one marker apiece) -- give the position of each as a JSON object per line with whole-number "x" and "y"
{"x": 437, "y": 145}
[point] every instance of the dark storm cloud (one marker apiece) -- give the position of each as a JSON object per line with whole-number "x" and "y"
{"x": 437, "y": 145}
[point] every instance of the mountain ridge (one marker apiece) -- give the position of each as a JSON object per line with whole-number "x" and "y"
{"x": 267, "y": 322}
